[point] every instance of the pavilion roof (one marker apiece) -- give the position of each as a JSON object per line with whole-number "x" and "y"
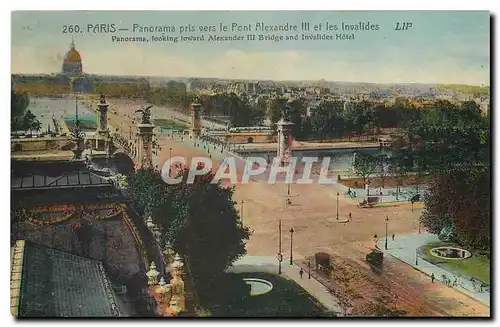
{"x": 46, "y": 282}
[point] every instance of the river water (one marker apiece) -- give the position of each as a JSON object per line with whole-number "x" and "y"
{"x": 340, "y": 159}
{"x": 46, "y": 108}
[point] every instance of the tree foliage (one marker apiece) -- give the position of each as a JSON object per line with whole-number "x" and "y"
{"x": 365, "y": 164}
{"x": 460, "y": 199}
{"x": 453, "y": 144}
{"x": 200, "y": 220}
{"x": 19, "y": 101}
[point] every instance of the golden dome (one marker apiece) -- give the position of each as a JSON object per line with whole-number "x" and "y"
{"x": 72, "y": 56}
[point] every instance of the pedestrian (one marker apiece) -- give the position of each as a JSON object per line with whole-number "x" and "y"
{"x": 392, "y": 237}
{"x": 350, "y": 216}
{"x": 432, "y": 278}
{"x": 301, "y": 272}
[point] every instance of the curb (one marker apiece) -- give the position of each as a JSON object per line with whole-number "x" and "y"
{"x": 425, "y": 273}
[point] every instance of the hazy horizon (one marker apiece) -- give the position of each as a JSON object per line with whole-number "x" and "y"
{"x": 261, "y": 80}
{"x": 446, "y": 47}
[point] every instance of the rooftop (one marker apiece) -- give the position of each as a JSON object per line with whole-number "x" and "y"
{"x": 50, "y": 283}
{"x": 54, "y": 174}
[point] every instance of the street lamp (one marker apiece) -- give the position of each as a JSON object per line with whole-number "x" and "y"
{"x": 280, "y": 259}
{"x": 280, "y": 256}
{"x": 241, "y": 211}
{"x": 412, "y": 205}
{"x": 170, "y": 163}
{"x": 309, "y": 268}
{"x": 419, "y": 226}
{"x": 291, "y": 246}
{"x": 386, "y": 223}
{"x": 416, "y": 257}
{"x": 338, "y": 205}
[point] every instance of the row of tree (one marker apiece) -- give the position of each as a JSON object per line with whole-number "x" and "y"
{"x": 452, "y": 144}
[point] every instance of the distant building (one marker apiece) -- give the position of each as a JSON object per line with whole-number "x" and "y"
{"x": 72, "y": 71}
{"x": 312, "y": 106}
{"x": 72, "y": 63}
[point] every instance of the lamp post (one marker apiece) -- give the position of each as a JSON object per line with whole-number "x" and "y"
{"x": 419, "y": 226}
{"x": 338, "y": 205}
{"x": 241, "y": 211}
{"x": 412, "y": 205}
{"x": 291, "y": 246}
{"x": 280, "y": 256}
{"x": 130, "y": 132}
{"x": 386, "y": 223}
{"x": 309, "y": 269}
{"x": 170, "y": 163}
{"x": 416, "y": 257}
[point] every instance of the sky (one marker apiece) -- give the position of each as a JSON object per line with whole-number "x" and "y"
{"x": 439, "y": 47}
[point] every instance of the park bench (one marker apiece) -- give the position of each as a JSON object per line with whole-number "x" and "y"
{"x": 370, "y": 203}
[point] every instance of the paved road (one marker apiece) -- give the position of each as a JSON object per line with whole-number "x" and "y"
{"x": 404, "y": 247}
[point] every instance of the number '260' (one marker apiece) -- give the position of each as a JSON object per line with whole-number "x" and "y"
{"x": 71, "y": 29}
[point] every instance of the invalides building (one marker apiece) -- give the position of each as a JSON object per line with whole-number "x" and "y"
{"x": 72, "y": 71}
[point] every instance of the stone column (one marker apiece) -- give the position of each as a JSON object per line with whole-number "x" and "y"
{"x": 145, "y": 145}
{"x": 284, "y": 140}
{"x": 195, "y": 120}
{"x": 103, "y": 115}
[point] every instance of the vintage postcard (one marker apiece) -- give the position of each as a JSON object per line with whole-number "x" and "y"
{"x": 250, "y": 164}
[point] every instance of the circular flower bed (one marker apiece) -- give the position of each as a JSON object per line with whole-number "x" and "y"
{"x": 258, "y": 286}
{"x": 449, "y": 252}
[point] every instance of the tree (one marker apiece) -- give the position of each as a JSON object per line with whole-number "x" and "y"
{"x": 382, "y": 162}
{"x": 365, "y": 164}
{"x": 327, "y": 120}
{"x": 400, "y": 171}
{"x": 460, "y": 199}
{"x": 30, "y": 122}
{"x": 452, "y": 143}
{"x": 448, "y": 136}
{"x": 147, "y": 189}
{"x": 361, "y": 117}
{"x": 276, "y": 107}
{"x": 200, "y": 221}
{"x": 18, "y": 104}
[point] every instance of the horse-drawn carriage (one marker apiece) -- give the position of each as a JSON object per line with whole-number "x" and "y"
{"x": 375, "y": 260}
{"x": 370, "y": 202}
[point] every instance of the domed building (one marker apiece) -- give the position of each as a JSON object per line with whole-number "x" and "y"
{"x": 72, "y": 64}
{"x": 72, "y": 71}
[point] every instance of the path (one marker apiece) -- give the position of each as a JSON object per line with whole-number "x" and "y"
{"x": 269, "y": 264}
{"x": 404, "y": 247}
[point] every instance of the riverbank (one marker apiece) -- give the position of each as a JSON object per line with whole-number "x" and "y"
{"x": 307, "y": 146}
{"x": 389, "y": 181}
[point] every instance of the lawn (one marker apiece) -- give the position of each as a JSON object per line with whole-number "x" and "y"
{"x": 287, "y": 299}
{"x": 169, "y": 124}
{"x": 477, "y": 266}
{"x": 86, "y": 124}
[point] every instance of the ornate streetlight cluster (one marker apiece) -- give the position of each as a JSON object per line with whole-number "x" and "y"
{"x": 170, "y": 297}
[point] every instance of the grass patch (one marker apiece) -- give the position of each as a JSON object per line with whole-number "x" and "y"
{"x": 87, "y": 125}
{"x": 477, "y": 266}
{"x": 169, "y": 124}
{"x": 287, "y": 299}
